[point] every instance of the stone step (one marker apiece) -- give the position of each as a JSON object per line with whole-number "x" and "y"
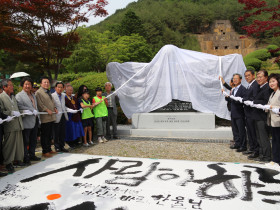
{"x": 222, "y": 133}
{"x": 219, "y": 133}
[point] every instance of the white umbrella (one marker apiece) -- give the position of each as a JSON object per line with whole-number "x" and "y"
{"x": 19, "y": 74}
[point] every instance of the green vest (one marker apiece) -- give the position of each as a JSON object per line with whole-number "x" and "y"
{"x": 101, "y": 109}
{"x": 87, "y": 111}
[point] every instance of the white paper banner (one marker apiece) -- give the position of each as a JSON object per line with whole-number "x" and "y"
{"x": 72, "y": 181}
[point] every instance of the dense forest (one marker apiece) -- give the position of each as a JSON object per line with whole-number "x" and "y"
{"x": 137, "y": 32}
{"x": 175, "y": 21}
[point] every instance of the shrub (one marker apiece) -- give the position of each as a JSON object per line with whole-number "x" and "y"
{"x": 251, "y": 68}
{"x": 73, "y": 76}
{"x": 273, "y": 47}
{"x": 91, "y": 81}
{"x": 261, "y": 54}
{"x": 253, "y": 62}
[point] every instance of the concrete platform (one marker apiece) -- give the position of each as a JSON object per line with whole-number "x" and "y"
{"x": 222, "y": 133}
{"x": 187, "y": 125}
{"x": 219, "y": 133}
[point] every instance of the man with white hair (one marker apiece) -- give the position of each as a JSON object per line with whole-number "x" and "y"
{"x": 13, "y": 149}
{"x": 112, "y": 110}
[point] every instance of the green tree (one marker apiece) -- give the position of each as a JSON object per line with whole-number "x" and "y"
{"x": 130, "y": 24}
{"x": 95, "y": 50}
{"x": 85, "y": 56}
{"x": 129, "y": 48}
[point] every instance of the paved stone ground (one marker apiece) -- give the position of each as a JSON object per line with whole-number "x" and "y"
{"x": 180, "y": 149}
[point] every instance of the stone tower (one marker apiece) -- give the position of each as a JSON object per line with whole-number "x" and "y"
{"x": 223, "y": 40}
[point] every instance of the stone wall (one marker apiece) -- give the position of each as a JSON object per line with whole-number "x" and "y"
{"x": 223, "y": 40}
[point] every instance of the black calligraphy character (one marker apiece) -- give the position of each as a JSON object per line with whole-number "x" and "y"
{"x": 189, "y": 178}
{"x": 216, "y": 180}
{"x": 196, "y": 205}
{"x": 111, "y": 162}
{"x": 80, "y": 168}
{"x": 266, "y": 175}
{"x": 247, "y": 186}
{"x": 133, "y": 181}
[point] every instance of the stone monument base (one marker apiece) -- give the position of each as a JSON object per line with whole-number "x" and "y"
{"x": 190, "y": 125}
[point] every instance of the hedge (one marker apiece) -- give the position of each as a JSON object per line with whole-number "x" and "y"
{"x": 92, "y": 81}
{"x": 253, "y": 62}
{"x": 72, "y": 76}
{"x": 261, "y": 54}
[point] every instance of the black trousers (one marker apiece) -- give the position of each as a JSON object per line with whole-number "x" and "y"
{"x": 1, "y": 140}
{"x": 30, "y": 140}
{"x": 234, "y": 132}
{"x": 59, "y": 133}
{"x": 111, "y": 120}
{"x": 252, "y": 136}
{"x": 275, "y": 144}
{"x": 262, "y": 132}
{"x": 238, "y": 128}
{"x": 46, "y": 135}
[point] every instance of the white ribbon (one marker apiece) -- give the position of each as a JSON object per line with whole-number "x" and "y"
{"x": 251, "y": 104}
{"x": 28, "y": 112}
{"x": 220, "y": 70}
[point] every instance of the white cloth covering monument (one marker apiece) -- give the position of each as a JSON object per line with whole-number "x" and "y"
{"x": 179, "y": 74}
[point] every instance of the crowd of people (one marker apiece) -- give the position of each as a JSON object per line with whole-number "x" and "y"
{"x": 255, "y": 116}
{"x": 65, "y": 117}
{"x": 59, "y": 116}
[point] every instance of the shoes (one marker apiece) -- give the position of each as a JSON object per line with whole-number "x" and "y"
{"x": 20, "y": 164}
{"x": 3, "y": 174}
{"x": 234, "y": 147}
{"x": 91, "y": 143}
{"x": 34, "y": 158}
{"x": 47, "y": 155}
{"x": 10, "y": 168}
{"x": 100, "y": 140}
{"x": 104, "y": 139}
{"x": 262, "y": 160}
{"x": 63, "y": 150}
{"x": 247, "y": 152}
{"x": 253, "y": 156}
{"x": 115, "y": 137}
{"x": 27, "y": 162}
{"x": 86, "y": 145}
{"x": 241, "y": 150}
{"x": 52, "y": 152}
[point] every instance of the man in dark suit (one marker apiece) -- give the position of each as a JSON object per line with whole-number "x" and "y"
{"x": 260, "y": 117}
{"x": 238, "y": 116}
{"x": 251, "y": 93}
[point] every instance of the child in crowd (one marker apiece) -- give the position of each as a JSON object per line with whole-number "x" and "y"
{"x": 100, "y": 114}
{"x": 87, "y": 117}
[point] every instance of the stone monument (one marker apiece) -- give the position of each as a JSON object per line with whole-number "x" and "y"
{"x": 178, "y": 119}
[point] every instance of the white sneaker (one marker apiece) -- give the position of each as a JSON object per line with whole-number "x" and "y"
{"x": 91, "y": 142}
{"x": 100, "y": 140}
{"x": 86, "y": 145}
{"x": 104, "y": 139}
